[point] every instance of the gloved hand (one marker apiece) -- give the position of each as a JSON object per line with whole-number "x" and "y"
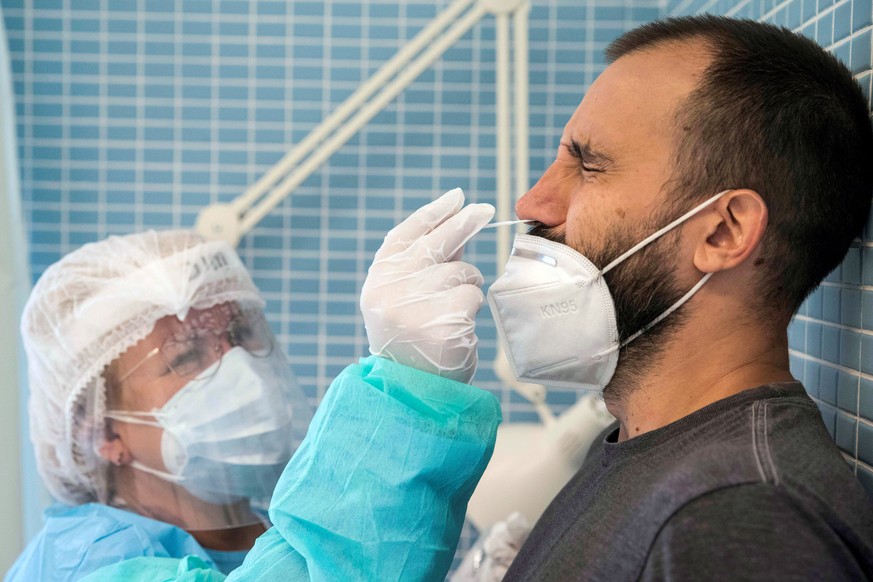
{"x": 419, "y": 301}
{"x": 490, "y": 557}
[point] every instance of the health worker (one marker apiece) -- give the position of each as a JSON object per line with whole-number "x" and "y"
{"x": 163, "y": 415}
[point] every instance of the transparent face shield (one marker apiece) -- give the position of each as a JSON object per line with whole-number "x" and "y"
{"x": 201, "y": 418}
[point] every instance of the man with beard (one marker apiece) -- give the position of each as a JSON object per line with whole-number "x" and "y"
{"x": 712, "y": 176}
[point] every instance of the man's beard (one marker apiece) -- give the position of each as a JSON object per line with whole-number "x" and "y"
{"x": 642, "y": 288}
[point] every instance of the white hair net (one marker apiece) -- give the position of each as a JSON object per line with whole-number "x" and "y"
{"x": 89, "y": 308}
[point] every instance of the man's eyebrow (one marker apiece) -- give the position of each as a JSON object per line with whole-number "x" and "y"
{"x": 587, "y": 154}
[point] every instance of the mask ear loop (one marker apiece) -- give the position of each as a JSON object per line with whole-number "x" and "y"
{"x": 661, "y": 232}
{"x": 658, "y": 319}
{"x": 157, "y": 473}
{"x": 675, "y": 306}
{"x": 642, "y": 244}
{"x": 134, "y": 418}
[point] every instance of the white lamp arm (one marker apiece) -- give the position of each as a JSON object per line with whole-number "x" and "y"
{"x": 231, "y": 221}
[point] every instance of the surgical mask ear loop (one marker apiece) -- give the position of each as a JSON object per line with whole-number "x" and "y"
{"x": 642, "y": 244}
{"x": 157, "y": 473}
{"x": 134, "y": 418}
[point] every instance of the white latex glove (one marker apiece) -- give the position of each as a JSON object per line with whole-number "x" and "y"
{"x": 419, "y": 301}
{"x": 490, "y": 557}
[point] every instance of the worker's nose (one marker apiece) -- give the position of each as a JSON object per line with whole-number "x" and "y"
{"x": 547, "y": 201}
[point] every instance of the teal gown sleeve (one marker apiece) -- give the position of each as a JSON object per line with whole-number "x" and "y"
{"x": 379, "y": 488}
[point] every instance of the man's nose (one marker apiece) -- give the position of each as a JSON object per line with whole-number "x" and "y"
{"x": 546, "y": 202}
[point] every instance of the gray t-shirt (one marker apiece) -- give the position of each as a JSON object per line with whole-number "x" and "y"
{"x": 748, "y": 488}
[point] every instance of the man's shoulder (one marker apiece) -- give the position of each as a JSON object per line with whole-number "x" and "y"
{"x": 758, "y": 531}
{"x": 780, "y": 440}
{"x": 753, "y": 474}
{"x": 765, "y": 437}
{"x": 781, "y": 445}
{"x": 764, "y": 444}
{"x": 772, "y": 434}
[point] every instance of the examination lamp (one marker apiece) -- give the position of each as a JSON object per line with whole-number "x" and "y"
{"x": 531, "y": 461}
{"x": 231, "y": 221}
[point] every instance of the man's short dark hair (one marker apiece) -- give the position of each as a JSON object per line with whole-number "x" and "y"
{"x": 776, "y": 113}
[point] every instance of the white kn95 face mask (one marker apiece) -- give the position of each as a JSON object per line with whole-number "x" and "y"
{"x": 555, "y": 314}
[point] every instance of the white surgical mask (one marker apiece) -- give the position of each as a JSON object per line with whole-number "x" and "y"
{"x": 228, "y": 434}
{"x": 555, "y": 314}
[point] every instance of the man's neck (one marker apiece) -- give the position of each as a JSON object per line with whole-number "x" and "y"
{"x": 698, "y": 368}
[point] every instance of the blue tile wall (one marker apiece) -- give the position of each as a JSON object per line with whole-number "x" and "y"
{"x": 135, "y": 114}
{"x": 831, "y": 338}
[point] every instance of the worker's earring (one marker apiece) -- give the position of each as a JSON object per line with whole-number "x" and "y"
{"x": 115, "y": 452}
{"x": 120, "y": 458}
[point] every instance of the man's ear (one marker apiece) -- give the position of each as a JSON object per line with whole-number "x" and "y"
{"x": 733, "y": 227}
